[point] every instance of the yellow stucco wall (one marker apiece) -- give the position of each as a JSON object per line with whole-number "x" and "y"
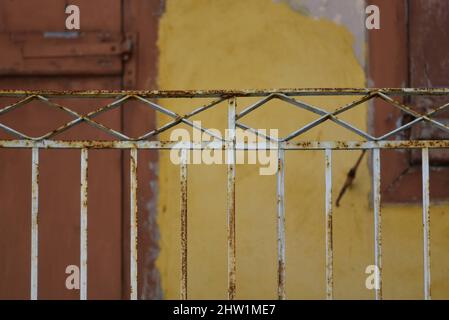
{"x": 233, "y": 44}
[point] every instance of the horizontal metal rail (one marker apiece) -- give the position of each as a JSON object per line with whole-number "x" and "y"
{"x": 225, "y": 93}
{"x": 169, "y": 145}
{"x": 230, "y": 145}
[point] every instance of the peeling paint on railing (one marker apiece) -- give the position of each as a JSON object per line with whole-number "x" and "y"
{"x": 230, "y": 145}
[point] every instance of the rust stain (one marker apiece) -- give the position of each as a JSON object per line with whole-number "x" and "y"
{"x": 183, "y": 205}
{"x": 133, "y": 223}
{"x": 226, "y": 93}
{"x": 281, "y": 279}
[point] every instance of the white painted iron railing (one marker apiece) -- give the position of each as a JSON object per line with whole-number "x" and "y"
{"x": 230, "y": 145}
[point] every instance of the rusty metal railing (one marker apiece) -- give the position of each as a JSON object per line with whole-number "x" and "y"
{"x": 230, "y": 145}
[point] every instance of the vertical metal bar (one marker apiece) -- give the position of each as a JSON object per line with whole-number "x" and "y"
{"x": 34, "y": 221}
{"x": 329, "y": 230}
{"x": 231, "y": 198}
{"x": 183, "y": 173}
{"x": 83, "y": 224}
{"x": 133, "y": 223}
{"x": 377, "y": 222}
{"x": 426, "y": 220}
{"x": 281, "y": 222}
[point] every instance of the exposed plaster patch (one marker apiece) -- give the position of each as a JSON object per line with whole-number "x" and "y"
{"x": 349, "y": 13}
{"x": 297, "y": 6}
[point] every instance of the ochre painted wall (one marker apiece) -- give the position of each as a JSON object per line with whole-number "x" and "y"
{"x": 234, "y": 44}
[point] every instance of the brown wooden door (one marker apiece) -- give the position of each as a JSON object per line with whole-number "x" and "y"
{"x": 429, "y": 67}
{"x": 38, "y": 53}
{"x": 410, "y": 50}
